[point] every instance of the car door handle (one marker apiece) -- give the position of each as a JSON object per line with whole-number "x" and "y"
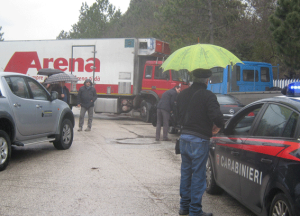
{"x": 17, "y": 105}
{"x": 267, "y": 161}
{"x": 235, "y": 153}
{"x": 38, "y": 106}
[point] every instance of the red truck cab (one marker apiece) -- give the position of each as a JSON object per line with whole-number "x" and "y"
{"x": 156, "y": 80}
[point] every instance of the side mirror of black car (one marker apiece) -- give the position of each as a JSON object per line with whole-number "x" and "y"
{"x": 54, "y": 95}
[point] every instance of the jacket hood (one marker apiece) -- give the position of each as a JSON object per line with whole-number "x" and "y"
{"x": 87, "y": 80}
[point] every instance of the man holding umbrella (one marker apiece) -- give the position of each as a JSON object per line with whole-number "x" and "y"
{"x": 201, "y": 117}
{"x": 62, "y": 90}
{"x": 85, "y": 99}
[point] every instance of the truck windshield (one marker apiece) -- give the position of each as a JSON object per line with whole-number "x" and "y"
{"x": 181, "y": 75}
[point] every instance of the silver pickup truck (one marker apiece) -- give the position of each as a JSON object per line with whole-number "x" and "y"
{"x": 29, "y": 114}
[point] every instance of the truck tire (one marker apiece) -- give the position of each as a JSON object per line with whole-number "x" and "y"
{"x": 145, "y": 111}
{"x": 281, "y": 206}
{"x": 65, "y": 138}
{"x": 211, "y": 185}
{"x": 5, "y": 150}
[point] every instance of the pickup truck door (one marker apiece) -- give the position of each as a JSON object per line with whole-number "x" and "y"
{"x": 19, "y": 98}
{"x": 46, "y": 110}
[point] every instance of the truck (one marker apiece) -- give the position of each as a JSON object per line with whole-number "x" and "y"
{"x": 248, "y": 81}
{"x": 126, "y": 72}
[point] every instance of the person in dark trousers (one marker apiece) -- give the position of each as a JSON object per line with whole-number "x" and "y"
{"x": 200, "y": 116}
{"x": 164, "y": 107}
{"x": 63, "y": 91}
{"x": 86, "y": 97}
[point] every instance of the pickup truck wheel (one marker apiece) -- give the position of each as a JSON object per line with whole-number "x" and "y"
{"x": 211, "y": 185}
{"x": 5, "y": 150}
{"x": 145, "y": 111}
{"x": 65, "y": 138}
{"x": 281, "y": 206}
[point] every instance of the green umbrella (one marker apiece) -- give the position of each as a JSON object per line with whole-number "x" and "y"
{"x": 200, "y": 56}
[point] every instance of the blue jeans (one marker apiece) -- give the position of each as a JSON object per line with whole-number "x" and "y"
{"x": 194, "y": 153}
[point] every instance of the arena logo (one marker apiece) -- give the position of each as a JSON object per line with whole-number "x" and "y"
{"x": 21, "y": 62}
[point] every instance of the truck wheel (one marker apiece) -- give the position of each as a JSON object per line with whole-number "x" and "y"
{"x": 280, "y": 206}
{"x": 145, "y": 111}
{"x": 5, "y": 150}
{"x": 65, "y": 138}
{"x": 211, "y": 185}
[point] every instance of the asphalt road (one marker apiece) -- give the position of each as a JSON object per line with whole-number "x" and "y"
{"x": 116, "y": 169}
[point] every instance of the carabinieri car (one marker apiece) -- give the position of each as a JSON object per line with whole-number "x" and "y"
{"x": 256, "y": 158}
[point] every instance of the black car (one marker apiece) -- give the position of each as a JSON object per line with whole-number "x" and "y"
{"x": 229, "y": 105}
{"x": 256, "y": 158}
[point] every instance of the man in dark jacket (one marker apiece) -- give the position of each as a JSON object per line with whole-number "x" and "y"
{"x": 85, "y": 99}
{"x": 62, "y": 90}
{"x": 200, "y": 115}
{"x": 164, "y": 107}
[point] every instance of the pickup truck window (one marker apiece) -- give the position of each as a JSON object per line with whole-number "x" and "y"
{"x": 181, "y": 75}
{"x": 37, "y": 91}
{"x": 238, "y": 73}
{"x": 217, "y": 75}
{"x": 148, "y": 72}
{"x": 158, "y": 74}
{"x": 18, "y": 86}
{"x": 265, "y": 74}
{"x": 248, "y": 75}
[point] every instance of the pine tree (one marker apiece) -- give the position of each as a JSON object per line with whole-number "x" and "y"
{"x": 285, "y": 25}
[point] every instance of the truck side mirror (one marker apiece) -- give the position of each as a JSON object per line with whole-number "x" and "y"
{"x": 54, "y": 95}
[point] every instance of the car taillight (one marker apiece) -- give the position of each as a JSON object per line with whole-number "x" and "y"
{"x": 251, "y": 114}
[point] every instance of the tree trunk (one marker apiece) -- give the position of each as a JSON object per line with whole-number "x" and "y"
{"x": 211, "y": 25}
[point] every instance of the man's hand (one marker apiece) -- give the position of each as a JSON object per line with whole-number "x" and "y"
{"x": 62, "y": 95}
{"x": 215, "y": 130}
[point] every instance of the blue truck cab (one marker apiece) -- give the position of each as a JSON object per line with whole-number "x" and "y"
{"x": 247, "y": 77}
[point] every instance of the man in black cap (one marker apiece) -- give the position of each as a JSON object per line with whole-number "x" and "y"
{"x": 85, "y": 99}
{"x": 200, "y": 117}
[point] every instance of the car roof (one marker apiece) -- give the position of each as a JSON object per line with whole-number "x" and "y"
{"x": 293, "y": 102}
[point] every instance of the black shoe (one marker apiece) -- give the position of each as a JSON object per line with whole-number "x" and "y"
{"x": 182, "y": 212}
{"x": 206, "y": 214}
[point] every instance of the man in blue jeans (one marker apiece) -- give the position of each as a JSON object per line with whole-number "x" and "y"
{"x": 200, "y": 116}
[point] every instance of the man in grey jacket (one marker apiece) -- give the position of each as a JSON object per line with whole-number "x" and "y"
{"x": 164, "y": 107}
{"x": 85, "y": 99}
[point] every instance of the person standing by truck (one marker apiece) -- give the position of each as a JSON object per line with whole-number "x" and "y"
{"x": 86, "y": 97}
{"x": 201, "y": 117}
{"x": 164, "y": 107}
{"x": 62, "y": 90}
